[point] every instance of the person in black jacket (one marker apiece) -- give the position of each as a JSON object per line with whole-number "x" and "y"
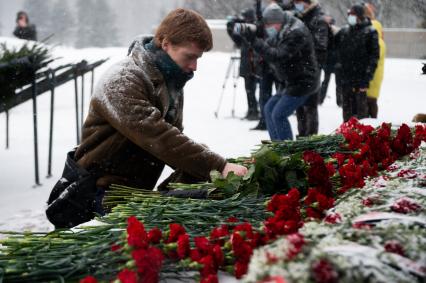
{"x": 24, "y": 30}
{"x": 358, "y": 54}
{"x": 310, "y": 12}
{"x": 289, "y": 51}
{"x": 249, "y": 61}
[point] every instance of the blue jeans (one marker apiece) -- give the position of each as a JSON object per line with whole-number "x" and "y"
{"x": 277, "y": 110}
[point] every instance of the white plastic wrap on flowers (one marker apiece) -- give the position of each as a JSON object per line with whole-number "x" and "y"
{"x": 379, "y": 235}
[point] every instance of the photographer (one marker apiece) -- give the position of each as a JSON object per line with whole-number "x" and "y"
{"x": 249, "y": 61}
{"x": 289, "y": 51}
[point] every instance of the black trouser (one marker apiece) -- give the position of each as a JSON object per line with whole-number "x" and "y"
{"x": 324, "y": 85}
{"x": 75, "y": 198}
{"x": 307, "y": 116}
{"x": 373, "y": 108}
{"x": 250, "y": 84}
{"x": 354, "y": 103}
{"x": 266, "y": 84}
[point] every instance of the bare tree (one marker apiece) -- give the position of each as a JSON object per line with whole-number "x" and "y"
{"x": 390, "y": 13}
{"x": 218, "y": 9}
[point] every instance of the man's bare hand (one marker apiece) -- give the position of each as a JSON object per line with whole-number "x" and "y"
{"x": 237, "y": 169}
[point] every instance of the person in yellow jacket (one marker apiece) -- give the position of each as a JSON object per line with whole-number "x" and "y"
{"x": 373, "y": 91}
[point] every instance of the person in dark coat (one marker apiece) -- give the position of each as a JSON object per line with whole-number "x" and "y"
{"x": 358, "y": 54}
{"x": 134, "y": 126}
{"x": 248, "y": 63}
{"x": 310, "y": 12}
{"x": 268, "y": 80}
{"x": 24, "y": 30}
{"x": 290, "y": 53}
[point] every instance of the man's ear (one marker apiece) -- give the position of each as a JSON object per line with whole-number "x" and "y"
{"x": 165, "y": 45}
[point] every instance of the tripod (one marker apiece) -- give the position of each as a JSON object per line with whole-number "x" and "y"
{"x": 232, "y": 65}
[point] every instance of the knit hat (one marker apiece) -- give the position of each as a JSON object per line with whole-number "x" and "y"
{"x": 357, "y": 10}
{"x": 273, "y": 14}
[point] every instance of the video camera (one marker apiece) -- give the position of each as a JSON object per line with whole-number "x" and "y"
{"x": 250, "y": 21}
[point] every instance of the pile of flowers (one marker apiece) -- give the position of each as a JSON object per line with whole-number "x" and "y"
{"x": 230, "y": 246}
{"x": 296, "y": 196}
{"x": 376, "y": 233}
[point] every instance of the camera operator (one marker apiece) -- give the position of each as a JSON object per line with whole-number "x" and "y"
{"x": 289, "y": 51}
{"x": 310, "y": 12}
{"x": 249, "y": 61}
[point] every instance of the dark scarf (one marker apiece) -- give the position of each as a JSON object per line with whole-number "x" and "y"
{"x": 173, "y": 74}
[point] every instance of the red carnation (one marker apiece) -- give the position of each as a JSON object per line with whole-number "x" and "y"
{"x": 211, "y": 278}
{"x": 218, "y": 233}
{"x": 149, "y": 264}
{"x": 361, "y": 225}
{"x": 420, "y": 135}
{"x": 127, "y": 276}
{"x": 323, "y": 272}
{"x": 202, "y": 244}
{"x": 115, "y": 247}
{"x": 208, "y": 266}
{"x": 340, "y": 157}
{"x": 297, "y": 241}
{"x": 384, "y": 132}
{"x": 183, "y": 246}
{"x": 405, "y": 205}
{"x": 136, "y": 234}
{"x": 246, "y": 228}
{"x": 218, "y": 255}
{"x": 273, "y": 279}
{"x": 392, "y": 168}
{"x": 333, "y": 218}
{"x": 240, "y": 269}
{"x": 154, "y": 235}
{"x": 88, "y": 279}
{"x": 403, "y": 142}
{"x": 407, "y": 173}
{"x": 395, "y": 247}
{"x": 175, "y": 231}
{"x": 241, "y": 249}
{"x": 271, "y": 258}
{"x": 232, "y": 219}
{"x": 318, "y": 174}
{"x": 195, "y": 255}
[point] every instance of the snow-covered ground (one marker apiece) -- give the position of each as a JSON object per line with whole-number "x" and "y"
{"x": 22, "y": 205}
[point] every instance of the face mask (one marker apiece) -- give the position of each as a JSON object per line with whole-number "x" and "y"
{"x": 352, "y": 20}
{"x": 271, "y": 32}
{"x": 299, "y": 7}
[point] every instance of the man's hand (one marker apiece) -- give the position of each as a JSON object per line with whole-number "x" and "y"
{"x": 237, "y": 169}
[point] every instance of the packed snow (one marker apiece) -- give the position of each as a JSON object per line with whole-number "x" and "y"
{"x": 22, "y": 204}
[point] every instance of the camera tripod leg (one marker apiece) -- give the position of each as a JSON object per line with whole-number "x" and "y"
{"x": 235, "y": 77}
{"x": 228, "y": 71}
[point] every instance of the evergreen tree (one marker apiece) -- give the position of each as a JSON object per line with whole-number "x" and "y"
{"x": 62, "y": 23}
{"x": 39, "y": 14}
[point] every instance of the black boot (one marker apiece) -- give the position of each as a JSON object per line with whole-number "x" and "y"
{"x": 261, "y": 126}
{"x": 252, "y": 115}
